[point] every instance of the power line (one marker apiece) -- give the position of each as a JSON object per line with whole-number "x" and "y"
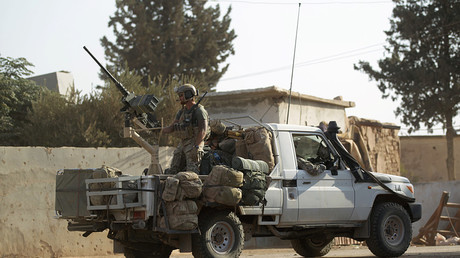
{"x": 331, "y": 58}
{"x": 335, "y": 57}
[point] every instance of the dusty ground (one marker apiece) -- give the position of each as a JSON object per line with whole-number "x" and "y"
{"x": 348, "y": 251}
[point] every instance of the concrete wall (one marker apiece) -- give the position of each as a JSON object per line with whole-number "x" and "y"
{"x": 27, "y": 185}
{"x": 429, "y": 194}
{"x": 423, "y": 158}
{"x": 27, "y": 194}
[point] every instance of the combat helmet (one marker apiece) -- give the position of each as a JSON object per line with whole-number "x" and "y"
{"x": 188, "y": 89}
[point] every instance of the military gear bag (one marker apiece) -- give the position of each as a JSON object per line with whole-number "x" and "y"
{"x": 170, "y": 189}
{"x": 224, "y": 176}
{"x": 190, "y": 185}
{"x": 242, "y": 164}
{"x": 241, "y": 149}
{"x": 182, "y": 215}
{"x": 228, "y": 145}
{"x": 228, "y": 195}
{"x": 254, "y": 188}
{"x": 258, "y": 141}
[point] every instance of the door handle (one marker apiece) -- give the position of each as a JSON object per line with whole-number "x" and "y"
{"x": 306, "y": 182}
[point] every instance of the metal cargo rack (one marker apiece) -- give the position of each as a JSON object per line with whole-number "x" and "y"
{"x": 117, "y": 193}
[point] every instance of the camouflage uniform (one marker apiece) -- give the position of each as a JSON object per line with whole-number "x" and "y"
{"x": 187, "y": 156}
{"x": 309, "y": 167}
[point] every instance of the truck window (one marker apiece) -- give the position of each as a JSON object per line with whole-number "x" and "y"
{"x": 313, "y": 148}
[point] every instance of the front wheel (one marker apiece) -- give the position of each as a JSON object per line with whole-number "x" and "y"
{"x": 221, "y": 235}
{"x": 312, "y": 247}
{"x": 391, "y": 230}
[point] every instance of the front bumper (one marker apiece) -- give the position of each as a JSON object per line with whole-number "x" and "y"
{"x": 415, "y": 211}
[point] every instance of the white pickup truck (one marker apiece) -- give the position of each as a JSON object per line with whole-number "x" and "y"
{"x": 309, "y": 210}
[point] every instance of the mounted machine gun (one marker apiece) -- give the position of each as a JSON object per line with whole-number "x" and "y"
{"x": 140, "y": 110}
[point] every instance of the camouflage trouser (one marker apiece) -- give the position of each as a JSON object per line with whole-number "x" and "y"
{"x": 186, "y": 157}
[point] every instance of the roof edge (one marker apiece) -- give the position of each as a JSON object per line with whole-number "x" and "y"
{"x": 279, "y": 92}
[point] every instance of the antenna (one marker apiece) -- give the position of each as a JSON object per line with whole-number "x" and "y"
{"x": 293, "y": 63}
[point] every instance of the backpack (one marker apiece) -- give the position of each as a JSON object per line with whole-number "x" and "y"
{"x": 242, "y": 164}
{"x": 254, "y": 188}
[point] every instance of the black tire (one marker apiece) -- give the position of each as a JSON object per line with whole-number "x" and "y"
{"x": 312, "y": 247}
{"x": 390, "y": 230}
{"x": 222, "y": 235}
{"x": 153, "y": 251}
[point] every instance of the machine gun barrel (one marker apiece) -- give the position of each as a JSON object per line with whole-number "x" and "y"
{"x": 142, "y": 107}
{"x": 120, "y": 87}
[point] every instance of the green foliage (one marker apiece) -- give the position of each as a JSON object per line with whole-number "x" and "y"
{"x": 95, "y": 120}
{"x": 16, "y": 96}
{"x": 423, "y": 68}
{"x": 170, "y": 38}
{"x": 32, "y": 115}
{"x": 57, "y": 121}
{"x": 92, "y": 120}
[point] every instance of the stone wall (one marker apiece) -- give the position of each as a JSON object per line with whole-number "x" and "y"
{"x": 377, "y": 143}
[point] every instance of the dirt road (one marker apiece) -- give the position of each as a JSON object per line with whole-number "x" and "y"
{"x": 349, "y": 251}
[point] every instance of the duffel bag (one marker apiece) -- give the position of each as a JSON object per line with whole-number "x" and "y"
{"x": 224, "y": 176}
{"x": 242, "y": 164}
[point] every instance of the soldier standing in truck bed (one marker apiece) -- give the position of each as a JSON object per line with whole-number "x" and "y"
{"x": 191, "y": 126}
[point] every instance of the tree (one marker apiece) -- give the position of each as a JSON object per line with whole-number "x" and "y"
{"x": 423, "y": 67}
{"x": 16, "y": 96}
{"x": 56, "y": 120}
{"x": 93, "y": 120}
{"x": 170, "y": 38}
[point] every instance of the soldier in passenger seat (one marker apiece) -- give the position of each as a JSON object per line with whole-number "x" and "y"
{"x": 312, "y": 166}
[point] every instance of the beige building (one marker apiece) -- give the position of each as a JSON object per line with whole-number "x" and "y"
{"x": 375, "y": 145}
{"x": 60, "y": 82}
{"x": 270, "y": 105}
{"x": 423, "y": 158}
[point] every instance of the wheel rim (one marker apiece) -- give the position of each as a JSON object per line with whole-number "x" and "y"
{"x": 222, "y": 237}
{"x": 393, "y": 230}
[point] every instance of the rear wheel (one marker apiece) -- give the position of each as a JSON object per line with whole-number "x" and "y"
{"x": 391, "y": 230}
{"x": 312, "y": 247}
{"x": 221, "y": 235}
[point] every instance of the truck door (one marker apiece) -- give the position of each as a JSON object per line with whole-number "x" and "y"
{"x": 323, "y": 195}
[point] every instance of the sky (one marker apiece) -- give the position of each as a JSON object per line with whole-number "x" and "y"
{"x": 333, "y": 35}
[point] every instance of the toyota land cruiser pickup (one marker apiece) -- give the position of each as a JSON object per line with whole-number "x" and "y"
{"x": 309, "y": 210}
